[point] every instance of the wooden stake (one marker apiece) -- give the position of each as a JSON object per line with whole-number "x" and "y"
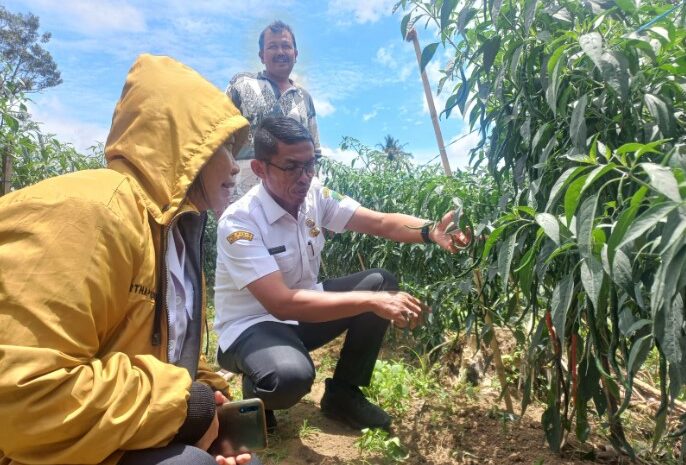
{"x": 412, "y": 37}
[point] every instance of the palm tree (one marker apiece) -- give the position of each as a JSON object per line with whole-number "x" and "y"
{"x": 394, "y": 149}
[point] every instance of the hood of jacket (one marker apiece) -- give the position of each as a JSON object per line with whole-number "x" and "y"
{"x": 162, "y": 138}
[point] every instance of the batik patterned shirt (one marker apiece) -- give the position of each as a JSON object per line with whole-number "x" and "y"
{"x": 257, "y": 97}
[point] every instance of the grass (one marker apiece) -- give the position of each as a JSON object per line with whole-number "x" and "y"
{"x": 306, "y": 430}
{"x": 378, "y": 442}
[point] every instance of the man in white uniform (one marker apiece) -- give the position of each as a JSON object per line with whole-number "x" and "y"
{"x": 270, "y": 309}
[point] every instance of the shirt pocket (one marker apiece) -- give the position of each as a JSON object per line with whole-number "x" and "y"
{"x": 286, "y": 260}
{"x": 315, "y": 247}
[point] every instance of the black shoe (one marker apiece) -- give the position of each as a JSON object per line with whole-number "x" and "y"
{"x": 346, "y": 402}
{"x": 271, "y": 421}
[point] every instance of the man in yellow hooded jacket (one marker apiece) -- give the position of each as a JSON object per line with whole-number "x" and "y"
{"x": 101, "y": 287}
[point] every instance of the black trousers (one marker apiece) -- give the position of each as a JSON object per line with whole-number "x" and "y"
{"x": 274, "y": 357}
{"x": 173, "y": 454}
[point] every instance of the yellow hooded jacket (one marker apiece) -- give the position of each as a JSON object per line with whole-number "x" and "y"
{"x": 83, "y": 333}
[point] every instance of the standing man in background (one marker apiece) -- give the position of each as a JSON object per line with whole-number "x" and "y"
{"x": 271, "y": 93}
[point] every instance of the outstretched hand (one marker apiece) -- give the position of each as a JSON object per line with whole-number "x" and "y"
{"x": 400, "y": 308}
{"x": 449, "y": 238}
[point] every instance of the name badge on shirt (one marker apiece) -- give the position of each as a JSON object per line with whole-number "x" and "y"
{"x": 275, "y": 250}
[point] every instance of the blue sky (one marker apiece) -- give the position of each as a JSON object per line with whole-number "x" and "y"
{"x": 364, "y": 79}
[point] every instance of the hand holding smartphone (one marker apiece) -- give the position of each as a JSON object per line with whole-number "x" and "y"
{"x": 242, "y": 428}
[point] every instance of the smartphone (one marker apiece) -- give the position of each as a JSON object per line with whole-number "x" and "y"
{"x": 242, "y": 428}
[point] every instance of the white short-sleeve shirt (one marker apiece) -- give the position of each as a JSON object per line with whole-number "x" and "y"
{"x": 256, "y": 237}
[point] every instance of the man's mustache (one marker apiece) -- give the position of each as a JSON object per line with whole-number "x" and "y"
{"x": 281, "y": 59}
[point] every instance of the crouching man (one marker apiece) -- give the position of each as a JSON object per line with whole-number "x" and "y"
{"x": 271, "y": 311}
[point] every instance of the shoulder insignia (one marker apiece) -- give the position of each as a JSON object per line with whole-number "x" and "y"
{"x": 326, "y": 193}
{"x": 238, "y": 235}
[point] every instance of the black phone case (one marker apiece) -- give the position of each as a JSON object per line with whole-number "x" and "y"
{"x": 242, "y": 428}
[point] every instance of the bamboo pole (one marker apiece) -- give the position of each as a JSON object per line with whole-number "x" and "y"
{"x": 412, "y": 37}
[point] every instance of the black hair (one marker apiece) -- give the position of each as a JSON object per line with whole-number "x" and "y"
{"x": 276, "y": 27}
{"x": 276, "y": 129}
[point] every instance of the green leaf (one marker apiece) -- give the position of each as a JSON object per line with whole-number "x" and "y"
{"x": 621, "y": 272}
{"x": 553, "y": 87}
{"x": 635, "y": 147}
{"x": 592, "y": 279}
{"x": 492, "y": 239}
{"x": 643, "y": 45}
{"x": 446, "y": 9}
{"x": 495, "y": 11}
{"x": 662, "y": 113}
{"x": 505, "y": 254}
{"x": 612, "y": 65}
{"x": 560, "y": 250}
{"x": 551, "y": 421}
{"x": 647, "y": 220}
{"x": 403, "y": 25}
{"x": 627, "y": 5}
{"x": 596, "y": 174}
{"x": 569, "y": 175}
{"x": 662, "y": 180}
{"x": 584, "y": 225}
{"x": 526, "y": 265}
{"x": 427, "y": 55}
{"x": 514, "y": 62}
{"x": 666, "y": 303}
{"x": 11, "y": 121}
{"x": 592, "y": 45}
{"x": 560, "y": 303}
{"x": 490, "y": 50}
{"x": 674, "y": 229}
{"x": 637, "y": 326}
{"x": 624, "y": 222}
{"x": 572, "y": 197}
{"x": 464, "y": 18}
{"x": 638, "y": 354}
{"x": 550, "y": 225}
{"x": 529, "y": 14}
{"x": 577, "y": 127}
{"x": 555, "y": 57}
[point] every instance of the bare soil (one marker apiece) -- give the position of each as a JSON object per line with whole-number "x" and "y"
{"x": 461, "y": 424}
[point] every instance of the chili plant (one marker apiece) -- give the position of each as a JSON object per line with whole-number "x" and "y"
{"x": 580, "y": 108}
{"x": 426, "y": 271}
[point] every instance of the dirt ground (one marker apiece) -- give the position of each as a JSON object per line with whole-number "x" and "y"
{"x": 457, "y": 426}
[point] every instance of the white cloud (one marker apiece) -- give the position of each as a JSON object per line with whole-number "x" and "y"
{"x": 458, "y": 153}
{"x": 94, "y": 18}
{"x": 433, "y": 73}
{"x": 338, "y": 154}
{"x": 323, "y": 107}
{"x": 384, "y": 56}
{"x": 406, "y": 71}
{"x": 54, "y": 119}
{"x": 363, "y": 11}
{"x": 367, "y": 116}
{"x": 401, "y": 60}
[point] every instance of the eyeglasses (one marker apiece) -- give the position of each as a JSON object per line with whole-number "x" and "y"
{"x": 296, "y": 170}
